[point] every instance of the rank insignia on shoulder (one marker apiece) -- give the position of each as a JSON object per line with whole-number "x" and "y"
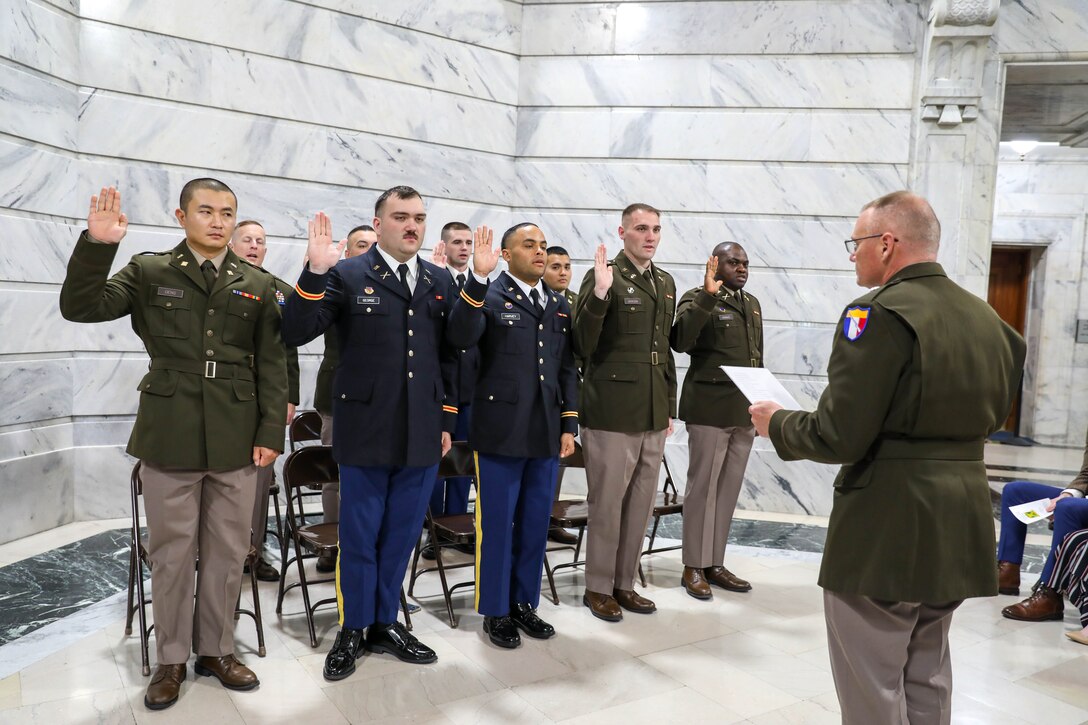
{"x": 184, "y": 264}
{"x": 854, "y": 322}
{"x": 247, "y": 295}
{"x": 280, "y": 299}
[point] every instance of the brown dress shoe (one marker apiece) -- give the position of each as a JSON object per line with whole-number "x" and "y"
{"x": 632, "y": 602}
{"x": 1008, "y": 578}
{"x": 562, "y": 536}
{"x": 1043, "y": 605}
{"x": 719, "y": 576}
{"x": 603, "y": 606}
{"x": 164, "y": 687}
{"x": 231, "y": 673}
{"x": 694, "y": 583}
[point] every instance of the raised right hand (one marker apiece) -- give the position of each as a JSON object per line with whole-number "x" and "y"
{"x": 438, "y": 255}
{"x": 602, "y": 273}
{"x": 322, "y": 253}
{"x": 710, "y": 284}
{"x": 484, "y": 256}
{"x": 105, "y": 220}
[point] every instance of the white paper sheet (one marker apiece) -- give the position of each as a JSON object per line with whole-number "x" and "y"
{"x": 1031, "y": 511}
{"x": 759, "y": 384}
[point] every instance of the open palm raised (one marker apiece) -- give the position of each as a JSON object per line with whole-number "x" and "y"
{"x": 322, "y": 252}
{"x": 105, "y": 220}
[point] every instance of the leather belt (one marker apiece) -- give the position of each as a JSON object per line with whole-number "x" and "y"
{"x": 934, "y": 449}
{"x": 652, "y": 358}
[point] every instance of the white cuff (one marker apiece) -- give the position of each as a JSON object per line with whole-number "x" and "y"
{"x": 1076, "y": 493}
{"x": 478, "y": 278}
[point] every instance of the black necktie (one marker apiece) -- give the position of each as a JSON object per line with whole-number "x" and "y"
{"x": 461, "y": 281}
{"x": 649, "y": 276}
{"x": 402, "y": 270}
{"x": 209, "y": 274}
{"x": 534, "y": 295}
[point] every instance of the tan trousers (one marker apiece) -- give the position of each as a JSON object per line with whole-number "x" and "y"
{"x": 621, "y": 472}
{"x": 890, "y": 660}
{"x": 265, "y": 475}
{"x": 717, "y": 458}
{"x": 330, "y": 492}
{"x": 190, "y": 512}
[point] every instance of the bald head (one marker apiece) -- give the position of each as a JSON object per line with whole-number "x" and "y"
{"x": 909, "y": 218}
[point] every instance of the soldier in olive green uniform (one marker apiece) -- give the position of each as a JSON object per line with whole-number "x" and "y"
{"x": 716, "y": 324}
{"x": 250, "y": 243}
{"x": 920, "y": 373}
{"x": 621, "y": 332}
{"x": 211, "y": 409}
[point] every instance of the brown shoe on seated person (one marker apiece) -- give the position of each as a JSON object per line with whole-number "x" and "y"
{"x": 165, "y": 686}
{"x": 231, "y": 673}
{"x": 1043, "y": 605}
{"x": 1008, "y": 578}
{"x": 632, "y": 602}
{"x": 719, "y": 576}
{"x": 694, "y": 583}
{"x": 562, "y": 536}
{"x": 603, "y": 606}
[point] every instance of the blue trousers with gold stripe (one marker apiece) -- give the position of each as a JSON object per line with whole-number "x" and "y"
{"x": 450, "y": 496}
{"x": 513, "y": 508}
{"x": 381, "y": 514}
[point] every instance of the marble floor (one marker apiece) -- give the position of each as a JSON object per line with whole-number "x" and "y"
{"x": 741, "y": 658}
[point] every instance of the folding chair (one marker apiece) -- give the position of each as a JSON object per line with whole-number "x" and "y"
{"x": 138, "y": 600}
{"x": 568, "y": 514}
{"x": 667, "y": 502}
{"x": 449, "y": 530}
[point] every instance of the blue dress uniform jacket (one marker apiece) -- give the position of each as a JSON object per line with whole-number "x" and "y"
{"x": 467, "y": 361}
{"x": 392, "y": 397}
{"x": 527, "y": 390}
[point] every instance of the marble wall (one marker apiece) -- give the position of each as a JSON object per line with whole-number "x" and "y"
{"x": 765, "y": 123}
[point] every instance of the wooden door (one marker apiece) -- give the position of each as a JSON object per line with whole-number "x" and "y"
{"x": 1010, "y": 272}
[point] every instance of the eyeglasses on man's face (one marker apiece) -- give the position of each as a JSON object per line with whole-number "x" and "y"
{"x": 852, "y": 244}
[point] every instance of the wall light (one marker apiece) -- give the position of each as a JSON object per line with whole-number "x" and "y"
{"x": 1023, "y": 146}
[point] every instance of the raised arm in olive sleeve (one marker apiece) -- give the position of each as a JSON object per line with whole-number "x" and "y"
{"x": 588, "y": 317}
{"x": 88, "y": 294}
{"x": 692, "y": 314}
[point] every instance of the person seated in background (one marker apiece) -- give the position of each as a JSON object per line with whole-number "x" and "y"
{"x": 1070, "y": 575}
{"x": 1070, "y": 514}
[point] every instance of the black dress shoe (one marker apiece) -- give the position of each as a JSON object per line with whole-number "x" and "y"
{"x": 427, "y": 552}
{"x": 502, "y": 632}
{"x": 340, "y": 662}
{"x": 326, "y": 563}
{"x": 527, "y": 621}
{"x": 266, "y": 572}
{"x": 399, "y": 642}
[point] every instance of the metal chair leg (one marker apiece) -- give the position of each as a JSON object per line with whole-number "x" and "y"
{"x": 551, "y": 578}
{"x": 261, "y": 651}
{"x": 404, "y": 608}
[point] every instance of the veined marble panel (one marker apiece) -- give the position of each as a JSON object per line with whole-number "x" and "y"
{"x": 576, "y": 29}
{"x": 143, "y": 129}
{"x": 661, "y": 28}
{"x": 766, "y": 27}
{"x": 100, "y": 488}
{"x": 564, "y": 133}
{"x": 406, "y": 56}
{"x": 106, "y": 384}
{"x": 117, "y": 59}
{"x": 579, "y": 184}
{"x": 34, "y": 390}
{"x": 1032, "y": 229}
{"x": 1011, "y": 203}
{"x": 1057, "y": 178}
{"x": 33, "y": 441}
{"x": 23, "y": 25}
{"x": 1030, "y": 27}
{"x": 771, "y": 484}
{"x": 33, "y": 179}
{"x": 751, "y": 135}
{"x": 273, "y": 27}
{"x": 811, "y": 244}
{"x": 884, "y": 82}
{"x": 806, "y": 189}
{"x": 46, "y": 110}
{"x": 37, "y": 494}
{"x": 101, "y": 431}
{"x": 793, "y": 350}
{"x": 436, "y": 171}
{"x": 489, "y": 23}
{"x": 70, "y": 6}
{"x": 49, "y": 240}
{"x": 32, "y": 324}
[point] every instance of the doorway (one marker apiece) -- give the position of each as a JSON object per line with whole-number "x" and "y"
{"x": 1010, "y": 277}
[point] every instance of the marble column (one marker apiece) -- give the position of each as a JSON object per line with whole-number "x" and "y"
{"x": 954, "y": 149}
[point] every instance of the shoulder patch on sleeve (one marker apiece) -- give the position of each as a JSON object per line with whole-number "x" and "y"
{"x": 854, "y": 322}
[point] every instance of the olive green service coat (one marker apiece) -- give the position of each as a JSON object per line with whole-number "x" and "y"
{"x": 622, "y": 341}
{"x": 326, "y": 372}
{"x": 717, "y": 330}
{"x": 187, "y": 419}
{"x": 908, "y": 405}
